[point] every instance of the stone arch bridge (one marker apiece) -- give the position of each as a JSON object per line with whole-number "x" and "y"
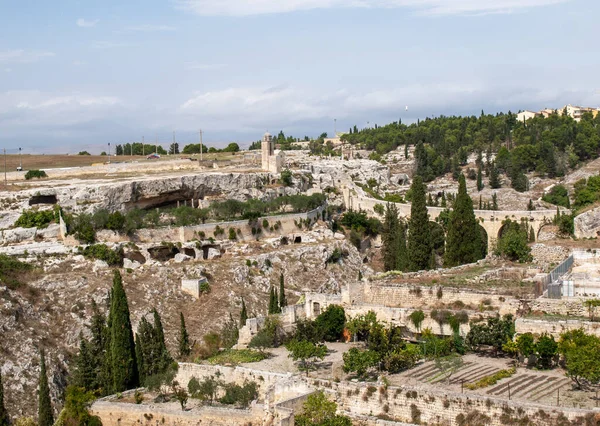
{"x": 490, "y": 220}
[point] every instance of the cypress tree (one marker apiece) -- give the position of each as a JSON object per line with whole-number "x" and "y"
{"x": 494, "y": 177}
{"x": 243, "y": 314}
{"x": 122, "y": 347}
{"x": 531, "y": 235}
{"x": 390, "y": 236}
{"x": 184, "y": 338}
{"x": 419, "y": 234}
{"x": 479, "y": 179}
{"x": 282, "y": 298}
{"x": 463, "y": 243}
{"x": 276, "y": 303}
{"x": 271, "y": 298}
{"x": 494, "y": 201}
{"x": 85, "y": 373}
{"x": 45, "y": 416}
{"x": 480, "y": 203}
{"x": 139, "y": 358}
{"x": 164, "y": 357}
{"x": 4, "y": 419}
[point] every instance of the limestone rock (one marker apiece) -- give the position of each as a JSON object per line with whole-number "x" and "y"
{"x": 213, "y": 253}
{"x": 130, "y": 264}
{"x": 587, "y": 225}
{"x": 180, "y": 258}
{"x": 99, "y": 264}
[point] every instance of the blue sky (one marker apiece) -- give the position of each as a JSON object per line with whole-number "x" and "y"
{"x": 79, "y": 74}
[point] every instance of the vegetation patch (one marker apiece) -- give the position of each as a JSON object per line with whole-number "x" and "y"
{"x": 12, "y": 270}
{"x": 35, "y": 174}
{"x": 491, "y": 379}
{"x": 103, "y": 252}
{"x": 236, "y": 357}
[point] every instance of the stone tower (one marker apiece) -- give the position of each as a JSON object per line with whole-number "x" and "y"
{"x": 267, "y": 149}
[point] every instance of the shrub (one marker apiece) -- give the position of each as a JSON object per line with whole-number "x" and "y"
{"x": 236, "y": 357}
{"x": 286, "y": 177}
{"x": 35, "y": 174}
{"x": 558, "y": 195}
{"x": 240, "y": 395}
{"x": 35, "y": 219}
{"x": 103, "y": 252}
{"x": 232, "y": 234}
{"x": 330, "y": 323}
{"x": 11, "y": 271}
{"x": 491, "y": 379}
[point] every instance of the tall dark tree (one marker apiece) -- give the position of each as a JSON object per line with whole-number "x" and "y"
{"x": 495, "y": 177}
{"x": 85, "y": 374}
{"x": 479, "y": 179}
{"x": 463, "y": 243}
{"x": 45, "y": 416}
{"x": 243, "y": 314}
{"x": 419, "y": 235}
{"x": 282, "y": 299}
{"x": 184, "y": 338}
{"x": 4, "y": 419}
{"x": 272, "y": 309}
{"x": 394, "y": 240}
{"x": 122, "y": 346}
{"x": 164, "y": 357}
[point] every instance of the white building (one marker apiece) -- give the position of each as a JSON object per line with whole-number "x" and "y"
{"x": 525, "y": 115}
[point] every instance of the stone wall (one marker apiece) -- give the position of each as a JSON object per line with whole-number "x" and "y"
{"x": 113, "y": 413}
{"x": 415, "y": 405}
{"x": 554, "y": 327}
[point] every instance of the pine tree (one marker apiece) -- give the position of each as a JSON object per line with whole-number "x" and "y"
{"x": 495, "y": 177}
{"x": 463, "y": 243}
{"x": 4, "y": 419}
{"x": 45, "y": 416}
{"x": 479, "y": 179}
{"x": 184, "y": 339}
{"x": 419, "y": 234}
{"x": 122, "y": 347}
{"x": 243, "y": 314}
{"x": 282, "y": 298}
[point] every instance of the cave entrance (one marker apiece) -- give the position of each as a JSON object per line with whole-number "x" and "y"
{"x": 189, "y": 252}
{"x": 43, "y": 199}
{"x": 316, "y": 309}
{"x": 297, "y": 240}
{"x": 163, "y": 253}
{"x": 284, "y": 241}
{"x": 206, "y": 248}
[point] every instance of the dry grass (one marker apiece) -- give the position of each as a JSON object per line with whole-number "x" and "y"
{"x": 36, "y": 162}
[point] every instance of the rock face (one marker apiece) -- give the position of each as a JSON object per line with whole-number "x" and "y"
{"x": 587, "y": 225}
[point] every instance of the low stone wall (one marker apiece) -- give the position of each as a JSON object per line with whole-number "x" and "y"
{"x": 418, "y": 406}
{"x": 288, "y": 225}
{"x": 123, "y": 414}
{"x": 419, "y": 297}
{"x": 554, "y": 327}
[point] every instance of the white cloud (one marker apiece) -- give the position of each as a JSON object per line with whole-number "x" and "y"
{"x": 149, "y": 28}
{"x": 203, "y": 67}
{"x": 86, "y": 24}
{"x": 21, "y": 56}
{"x": 430, "y": 7}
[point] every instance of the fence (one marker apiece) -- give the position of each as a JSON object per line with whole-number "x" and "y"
{"x": 551, "y": 282}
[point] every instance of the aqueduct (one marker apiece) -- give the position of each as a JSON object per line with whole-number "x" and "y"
{"x": 490, "y": 220}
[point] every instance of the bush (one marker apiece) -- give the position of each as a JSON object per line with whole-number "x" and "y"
{"x": 35, "y": 219}
{"x": 513, "y": 243}
{"x": 35, "y": 174}
{"x": 103, "y": 252}
{"x": 232, "y": 234}
{"x": 12, "y": 270}
{"x": 491, "y": 380}
{"x": 241, "y": 396}
{"x": 236, "y": 357}
{"x": 286, "y": 177}
{"x": 558, "y": 195}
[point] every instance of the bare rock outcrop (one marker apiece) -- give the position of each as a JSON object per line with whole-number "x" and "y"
{"x": 587, "y": 225}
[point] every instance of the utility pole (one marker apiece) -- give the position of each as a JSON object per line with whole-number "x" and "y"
{"x": 20, "y": 161}
{"x": 109, "y": 153}
{"x": 200, "y": 144}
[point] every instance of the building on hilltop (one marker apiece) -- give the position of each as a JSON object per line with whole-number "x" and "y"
{"x": 272, "y": 160}
{"x": 575, "y": 112}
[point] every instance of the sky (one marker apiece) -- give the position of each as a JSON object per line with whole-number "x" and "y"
{"x": 78, "y": 74}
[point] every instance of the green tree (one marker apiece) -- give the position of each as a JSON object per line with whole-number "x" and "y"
{"x": 512, "y": 244}
{"x": 164, "y": 357}
{"x": 306, "y": 352}
{"x": 495, "y": 182}
{"x": 395, "y": 256}
{"x": 45, "y": 416}
{"x": 331, "y": 322}
{"x": 243, "y": 314}
{"x": 419, "y": 234}
{"x": 84, "y": 372}
{"x": 319, "y": 411}
{"x": 479, "y": 179}
{"x": 75, "y": 412}
{"x": 4, "y": 418}
{"x": 546, "y": 350}
{"x": 286, "y": 177}
{"x": 581, "y": 352}
{"x": 463, "y": 243}
{"x": 282, "y": 299}
{"x": 184, "y": 338}
{"x": 359, "y": 361}
{"x": 122, "y": 347}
